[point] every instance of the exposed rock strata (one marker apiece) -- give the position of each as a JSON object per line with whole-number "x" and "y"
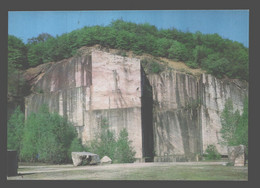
{"x": 171, "y": 114}
{"x": 187, "y": 111}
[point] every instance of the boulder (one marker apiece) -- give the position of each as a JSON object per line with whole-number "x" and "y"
{"x": 84, "y": 158}
{"x": 236, "y": 155}
{"x": 106, "y": 160}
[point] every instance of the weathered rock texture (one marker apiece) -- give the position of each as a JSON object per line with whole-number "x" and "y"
{"x": 172, "y": 114}
{"x": 176, "y": 116}
{"x": 88, "y": 88}
{"x": 186, "y": 114}
{"x": 84, "y": 158}
{"x": 236, "y": 155}
{"x": 213, "y": 94}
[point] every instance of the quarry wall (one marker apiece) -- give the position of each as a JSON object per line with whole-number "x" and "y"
{"x": 170, "y": 116}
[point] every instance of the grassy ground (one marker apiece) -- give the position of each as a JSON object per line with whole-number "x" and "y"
{"x": 134, "y": 171}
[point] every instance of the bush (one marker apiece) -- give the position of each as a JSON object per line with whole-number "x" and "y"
{"x": 76, "y": 146}
{"x": 234, "y": 129}
{"x": 192, "y": 64}
{"x": 15, "y": 126}
{"x": 47, "y": 138}
{"x": 212, "y": 153}
{"x": 124, "y": 151}
{"x": 105, "y": 144}
{"x": 151, "y": 66}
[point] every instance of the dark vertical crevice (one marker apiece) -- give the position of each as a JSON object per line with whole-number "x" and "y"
{"x": 147, "y": 118}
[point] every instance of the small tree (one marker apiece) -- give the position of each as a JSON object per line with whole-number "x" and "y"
{"x": 124, "y": 151}
{"x": 234, "y": 129}
{"x": 105, "y": 144}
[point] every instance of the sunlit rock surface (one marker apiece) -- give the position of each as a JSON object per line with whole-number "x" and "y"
{"x": 171, "y": 115}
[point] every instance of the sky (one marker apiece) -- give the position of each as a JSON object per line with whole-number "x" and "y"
{"x": 229, "y": 24}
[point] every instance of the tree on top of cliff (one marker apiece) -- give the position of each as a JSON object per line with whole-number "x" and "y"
{"x": 192, "y": 48}
{"x": 17, "y": 53}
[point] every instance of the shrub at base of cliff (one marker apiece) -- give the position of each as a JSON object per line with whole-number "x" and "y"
{"x": 124, "y": 151}
{"x": 15, "y": 128}
{"x": 76, "y": 146}
{"x": 47, "y": 138}
{"x": 212, "y": 153}
{"x": 106, "y": 144}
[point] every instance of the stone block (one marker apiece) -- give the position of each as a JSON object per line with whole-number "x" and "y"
{"x": 106, "y": 160}
{"x": 236, "y": 155}
{"x": 84, "y": 158}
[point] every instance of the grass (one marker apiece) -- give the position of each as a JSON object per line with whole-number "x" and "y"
{"x": 137, "y": 171}
{"x": 188, "y": 173}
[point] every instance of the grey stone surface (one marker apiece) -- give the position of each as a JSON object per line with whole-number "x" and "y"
{"x": 84, "y": 158}
{"x": 186, "y": 111}
{"x": 105, "y": 160}
{"x": 236, "y": 155}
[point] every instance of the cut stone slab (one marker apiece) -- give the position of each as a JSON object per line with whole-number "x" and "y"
{"x": 236, "y": 155}
{"x": 84, "y": 158}
{"x": 106, "y": 160}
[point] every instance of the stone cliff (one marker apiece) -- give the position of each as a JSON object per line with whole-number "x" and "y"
{"x": 169, "y": 116}
{"x": 186, "y": 114}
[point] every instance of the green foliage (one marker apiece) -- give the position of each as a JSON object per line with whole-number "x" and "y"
{"x": 234, "y": 129}
{"x": 76, "y": 146}
{"x": 192, "y": 48}
{"x": 16, "y": 84}
{"x": 178, "y": 51}
{"x": 212, "y": 153}
{"x": 17, "y": 53}
{"x": 47, "y": 138}
{"x": 124, "y": 151}
{"x": 105, "y": 144}
{"x": 152, "y": 66}
{"x": 17, "y": 60}
{"x": 15, "y": 128}
{"x": 215, "y": 65}
{"x": 199, "y": 53}
{"x": 41, "y": 38}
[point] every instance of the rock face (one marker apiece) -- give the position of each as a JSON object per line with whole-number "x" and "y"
{"x": 186, "y": 113}
{"x": 236, "y": 155}
{"x": 175, "y": 116}
{"x": 90, "y": 88}
{"x": 213, "y": 95}
{"x": 84, "y": 158}
{"x": 171, "y": 116}
{"x": 106, "y": 160}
